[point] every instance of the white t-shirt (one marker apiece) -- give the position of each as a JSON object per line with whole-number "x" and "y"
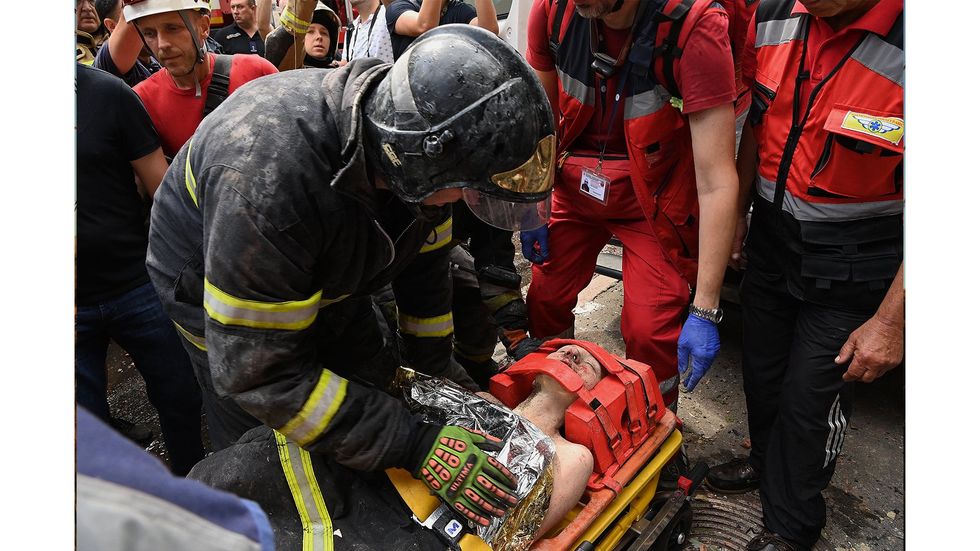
{"x": 369, "y": 39}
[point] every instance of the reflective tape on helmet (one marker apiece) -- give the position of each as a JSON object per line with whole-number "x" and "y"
{"x": 189, "y": 181}
{"x": 319, "y": 409}
{"x": 288, "y": 315}
{"x": 198, "y": 342}
{"x": 438, "y": 326}
{"x": 310, "y": 505}
{"x": 440, "y": 237}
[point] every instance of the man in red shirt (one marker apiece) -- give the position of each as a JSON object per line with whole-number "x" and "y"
{"x": 175, "y": 98}
{"x": 636, "y": 163}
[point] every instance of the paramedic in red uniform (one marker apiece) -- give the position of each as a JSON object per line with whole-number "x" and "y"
{"x": 823, "y": 296}
{"x": 654, "y": 170}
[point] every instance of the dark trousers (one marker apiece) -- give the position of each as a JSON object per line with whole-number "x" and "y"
{"x": 798, "y": 404}
{"x": 135, "y": 320}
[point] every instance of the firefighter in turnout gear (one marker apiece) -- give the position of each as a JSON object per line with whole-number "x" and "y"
{"x": 308, "y": 190}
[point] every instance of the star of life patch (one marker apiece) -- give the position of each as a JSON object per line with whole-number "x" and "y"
{"x": 890, "y": 129}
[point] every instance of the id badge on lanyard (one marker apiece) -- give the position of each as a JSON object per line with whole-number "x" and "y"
{"x": 595, "y": 184}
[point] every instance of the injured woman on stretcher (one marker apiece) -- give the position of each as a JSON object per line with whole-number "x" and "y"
{"x": 312, "y": 496}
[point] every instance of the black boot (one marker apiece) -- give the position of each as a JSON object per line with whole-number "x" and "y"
{"x": 733, "y": 477}
{"x": 140, "y": 434}
{"x": 771, "y": 541}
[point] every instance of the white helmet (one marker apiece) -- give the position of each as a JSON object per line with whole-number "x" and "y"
{"x": 134, "y": 9}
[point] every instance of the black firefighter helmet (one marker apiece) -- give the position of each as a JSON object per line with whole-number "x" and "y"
{"x": 462, "y": 109}
{"x": 323, "y": 15}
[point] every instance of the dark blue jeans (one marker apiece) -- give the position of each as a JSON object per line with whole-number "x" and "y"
{"x": 135, "y": 320}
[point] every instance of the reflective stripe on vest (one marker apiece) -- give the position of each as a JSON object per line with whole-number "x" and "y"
{"x": 441, "y": 236}
{"x": 438, "y": 326}
{"x": 883, "y": 58}
{"x": 189, "y": 181}
{"x": 191, "y": 337}
{"x": 319, "y": 409}
{"x": 773, "y": 33}
{"x": 312, "y": 509}
{"x": 803, "y": 210}
{"x": 646, "y": 103}
{"x": 230, "y": 310}
{"x": 579, "y": 90}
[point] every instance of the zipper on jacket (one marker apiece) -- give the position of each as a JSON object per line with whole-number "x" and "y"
{"x": 796, "y": 131}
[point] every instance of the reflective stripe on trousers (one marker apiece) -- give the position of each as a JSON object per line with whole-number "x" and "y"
{"x": 312, "y": 510}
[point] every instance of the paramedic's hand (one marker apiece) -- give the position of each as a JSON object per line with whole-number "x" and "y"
{"x": 459, "y": 471}
{"x": 696, "y": 349}
{"x": 529, "y": 238}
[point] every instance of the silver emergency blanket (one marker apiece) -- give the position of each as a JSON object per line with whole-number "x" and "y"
{"x": 526, "y": 451}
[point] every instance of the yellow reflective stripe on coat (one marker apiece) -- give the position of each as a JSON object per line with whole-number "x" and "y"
{"x": 440, "y": 237}
{"x": 231, "y": 310}
{"x": 312, "y": 510}
{"x": 318, "y": 410}
{"x": 189, "y": 181}
{"x": 439, "y": 326}
{"x": 503, "y": 299}
{"x": 293, "y": 22}
{"x": 191, "y": 337}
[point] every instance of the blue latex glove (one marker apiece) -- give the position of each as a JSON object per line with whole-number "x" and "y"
{"x": 696, "y": 350}
{"x": 529, "y": 238}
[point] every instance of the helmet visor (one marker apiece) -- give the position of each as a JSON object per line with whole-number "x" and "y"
{"x": 536, "y": 175}
{"x": 508, "y": 215}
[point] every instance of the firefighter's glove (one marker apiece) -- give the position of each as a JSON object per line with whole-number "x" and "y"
{"x": 530, "y": 238}
{"x": 696, "y": 349}
{"x": 458, "y": 470}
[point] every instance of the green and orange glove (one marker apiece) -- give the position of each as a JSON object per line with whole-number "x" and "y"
{"x": 458, "y": 470}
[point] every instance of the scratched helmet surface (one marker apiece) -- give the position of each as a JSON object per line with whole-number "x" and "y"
{"x": 462, "y": 109}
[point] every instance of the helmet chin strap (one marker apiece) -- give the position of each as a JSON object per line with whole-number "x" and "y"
{"x": 200, "y": 52}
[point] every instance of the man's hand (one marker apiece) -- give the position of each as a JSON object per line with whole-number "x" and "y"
{"x": 737, "y": 259}
{"x": 458, "y": 470}
{"x": 872, "y": 350}
{"x": 539, "y": 236}
{"x": 696, "y": 350}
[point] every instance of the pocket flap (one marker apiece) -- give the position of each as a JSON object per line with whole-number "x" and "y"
{"x": 822, "y": 267}
{"x": 874, "y": 127}
{"x": 873, "y": 269}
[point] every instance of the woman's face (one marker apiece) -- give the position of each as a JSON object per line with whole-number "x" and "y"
{"x": 317, "y": 42}
{"x": 581, "y": 362}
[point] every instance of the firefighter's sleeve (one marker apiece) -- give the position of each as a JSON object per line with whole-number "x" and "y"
{"x": 262, "y": 251}
{"x": 424, "y": 297}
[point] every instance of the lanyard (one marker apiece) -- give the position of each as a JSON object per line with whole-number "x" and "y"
{"x": 353, "y": 42}
{"x": 620, "y": 88}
